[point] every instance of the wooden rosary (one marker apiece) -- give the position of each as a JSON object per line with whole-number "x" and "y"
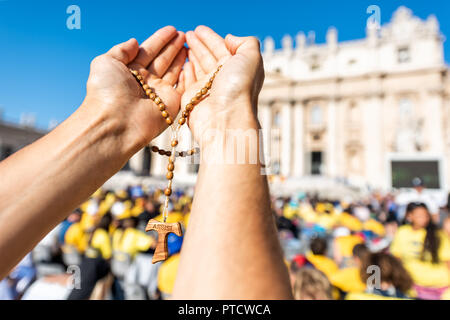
{"x": 163, "y": 228}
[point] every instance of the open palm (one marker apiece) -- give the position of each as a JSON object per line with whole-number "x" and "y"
{"x": 159, "y": 60}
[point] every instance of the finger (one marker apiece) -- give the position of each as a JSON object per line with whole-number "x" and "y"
{"x": 167, "y": 55}
{"x": 248, "y": 46}
{"x": 181, "y": 84}
{"x": 175, "y": 68}
{"x": 124, "y": 52}
{"x": 214, "y": 42}
{"x": 189, "y": 74}
{"x": 152, "y": 46}
{"x": 198, "y": 71}
{"x": 206, "y": 59}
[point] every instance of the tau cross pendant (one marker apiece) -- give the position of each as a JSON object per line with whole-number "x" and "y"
{"x": 163, "y": 229}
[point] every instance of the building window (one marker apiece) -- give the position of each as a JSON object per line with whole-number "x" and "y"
{"x": 315, "y": 65}
{"x": 403, "y": 55}
{"x": 316, "y": 115}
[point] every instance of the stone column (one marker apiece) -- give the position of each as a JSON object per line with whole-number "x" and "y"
{"x": 434, "y": 104}
{"x": 182, "y": 164}
{"x": 331, "y": 153}
{"x": 137, "y": 162}
{"x": 158, "y": 167}
{"x": 299, "y": 143}
{"x": 265, "y": 119}
{"x": 286, "y": 139}
{"x": 372, "y": 141}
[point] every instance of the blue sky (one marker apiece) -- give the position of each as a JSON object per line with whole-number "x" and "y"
{"x": 44, "y": 66}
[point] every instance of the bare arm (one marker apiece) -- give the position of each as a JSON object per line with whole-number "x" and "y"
{"x": 230, "y": 250}
{"x": 43, "y": 182}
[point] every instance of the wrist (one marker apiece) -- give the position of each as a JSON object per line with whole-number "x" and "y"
{"x": 107, "y": 129}
{"x": 231, "y": 137}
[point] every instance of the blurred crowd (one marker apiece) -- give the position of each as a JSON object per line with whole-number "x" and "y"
{"x": 385, "y": 246}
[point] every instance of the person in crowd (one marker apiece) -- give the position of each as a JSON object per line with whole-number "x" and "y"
{"x": 95, "y": 263}
{"x": 312, "y": 284}
{"x": 115, "y": 121}
{"x": 418, "y": 194}
{"x": 425, "y": 252}
{"x": 343, "y": 243}
{"x": 348, "y": 279}
{"x": 168, "y": 269}
{"x": 386, "y": 278}
{"x": 318, "y": 257}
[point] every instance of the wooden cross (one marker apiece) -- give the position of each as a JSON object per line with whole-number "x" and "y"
{"x": 163, "y": 229}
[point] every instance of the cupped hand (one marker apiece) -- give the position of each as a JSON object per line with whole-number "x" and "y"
{"x": 113, "y": 89}
{"x": 232, "y": 100}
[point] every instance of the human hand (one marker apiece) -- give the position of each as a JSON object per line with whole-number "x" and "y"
{"x": 112, "y": 89}
{"x": 232, "y": 101}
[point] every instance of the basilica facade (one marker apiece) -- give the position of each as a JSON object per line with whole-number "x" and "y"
{"x": 372, "y": 111}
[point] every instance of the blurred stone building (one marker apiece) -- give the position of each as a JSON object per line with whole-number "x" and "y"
{"x": 370, "y": 112}
{"x": 14, "y": 137}
{"x": 373, "y": 111}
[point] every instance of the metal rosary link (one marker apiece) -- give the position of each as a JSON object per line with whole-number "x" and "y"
{"x": 184, "y": 116}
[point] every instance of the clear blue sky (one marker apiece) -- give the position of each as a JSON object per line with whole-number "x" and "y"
{"x": 44, "y": 66}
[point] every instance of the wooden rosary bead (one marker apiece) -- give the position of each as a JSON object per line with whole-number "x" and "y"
{"x": 190, "y": 152}
{"x": 209, "y": 84}
{"x": 148, "y": 92}
{"x": 139, "y": 77}
{"x": 168, "y": 153}
{"x": 189, "y": 107}
{"x": 169, "y": 121}
{"x": 198, "y": 95}
{"x": 164, "y": 114}
{"x": 182, "y": 154}
{"x": 168, "y": 192}
{"x": 155, "y": 149}
{"x": 135, "y": 73}
{"x": 194, "y": 100}
{"x": 204, "y": 91}
{"x": 157, "y": 100}
{"x": 174, "y": 143}
{"x": 162, "y": 152}
{"x": 145, "y": 87}
{"x": 181, "y": 121}
{"x": 171, "y": 166}
{"x": 169, "y": 175}
{"x": 162, "y": 106}
{"x": 185, "y": 114}
{"x": 152, "y": 96}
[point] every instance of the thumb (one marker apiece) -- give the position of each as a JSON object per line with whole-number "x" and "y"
{"x": 242, "y": 45}
{"x": 125, "y": 52}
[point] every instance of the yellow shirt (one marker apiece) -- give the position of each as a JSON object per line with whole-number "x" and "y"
{"x": 345, "y": 244}
{"x": 100, "y": 242}
{"x": 322, "y": 263}
{"x": 167, "y": 274}
{"x": 350, "y": 222}
{"x": 374, "y": 226}
{"x": 369, "y": 296}
{"x": 348, "y": 280}
{"x": 131, "y": 241}
{"x": 76, "y": 237}
{"x": 172, "y": 217}
{"x": 408, "y": 244}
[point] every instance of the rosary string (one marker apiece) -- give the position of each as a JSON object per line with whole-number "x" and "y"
{"x": 173, "y": 154}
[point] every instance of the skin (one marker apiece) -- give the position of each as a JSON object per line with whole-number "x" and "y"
{"x": 231, "y": 249}
{"x": 419, "y": 218}
{"x": 114, "y": 121}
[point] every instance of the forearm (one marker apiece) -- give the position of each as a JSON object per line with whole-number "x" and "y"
{"x": 231, "y": 250}
{"x": 43, "y": 182}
